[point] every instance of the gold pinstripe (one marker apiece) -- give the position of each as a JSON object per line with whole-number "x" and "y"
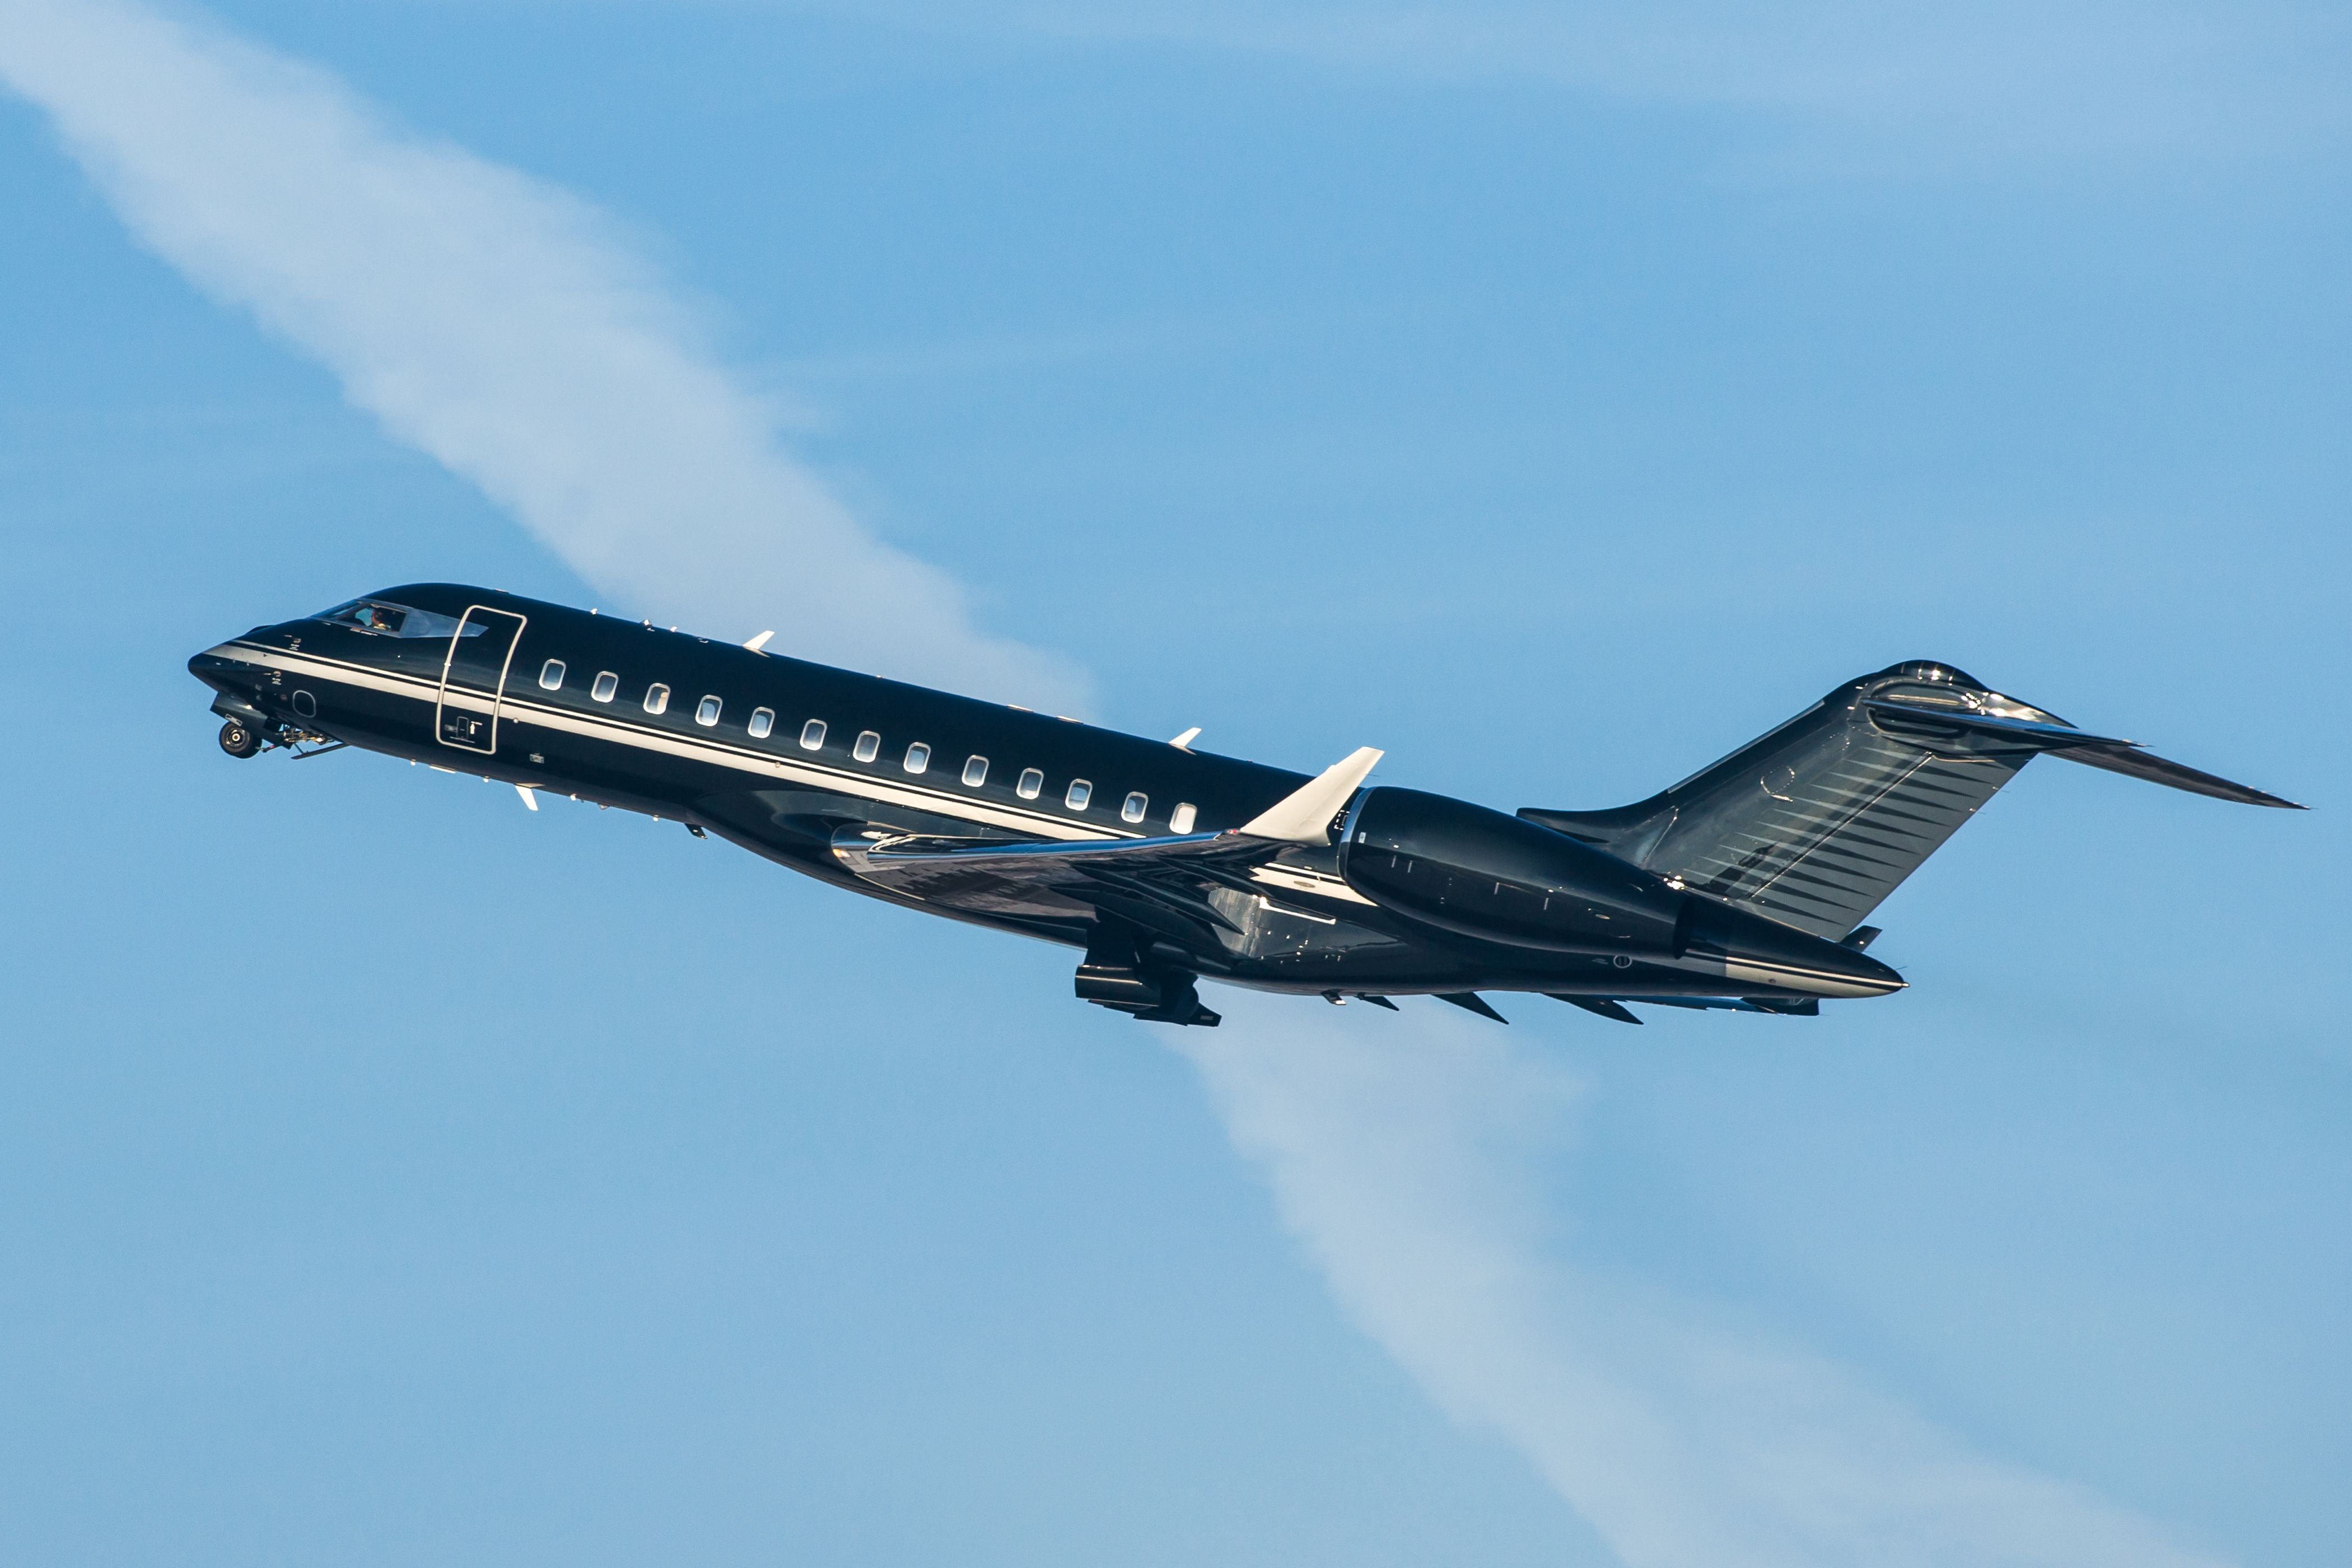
{"x": 618, "y": 731}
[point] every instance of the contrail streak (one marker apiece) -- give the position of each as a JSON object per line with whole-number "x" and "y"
{"x": 500, "y": 325}
{"x": 1402, "y": 1153}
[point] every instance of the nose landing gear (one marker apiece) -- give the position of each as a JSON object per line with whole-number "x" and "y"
{"x": 242, "y": 737}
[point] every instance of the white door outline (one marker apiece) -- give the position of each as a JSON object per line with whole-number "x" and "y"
{"x": 481, "y": 614}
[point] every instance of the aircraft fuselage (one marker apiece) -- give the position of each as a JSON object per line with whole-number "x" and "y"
{"x": 906, "y": 794}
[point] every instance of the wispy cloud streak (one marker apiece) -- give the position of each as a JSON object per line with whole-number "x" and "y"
{"x": 500, "y": 325}
{"x": 1843, "y": 86}
{"x": 1405, "y": 1155}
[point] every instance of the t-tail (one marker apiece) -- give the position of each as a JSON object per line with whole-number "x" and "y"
{"x": 1815, "y": 823}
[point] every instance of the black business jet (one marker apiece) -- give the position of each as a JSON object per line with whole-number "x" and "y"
{"x": 1744, "y": 886}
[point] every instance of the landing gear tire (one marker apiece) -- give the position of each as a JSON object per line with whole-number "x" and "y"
{"x": 239, "y": 741}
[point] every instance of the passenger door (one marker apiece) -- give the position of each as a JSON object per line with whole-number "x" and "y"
{"x": 473, "y": 679}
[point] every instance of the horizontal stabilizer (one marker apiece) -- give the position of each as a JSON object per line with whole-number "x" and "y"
{"x": 1942, "y": 720}
{"x": 1303, "y": 816}
{"x": 2140, "y": 765}
{"x": 2126, "y": 757}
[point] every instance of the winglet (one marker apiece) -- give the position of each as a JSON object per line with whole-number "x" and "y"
{"x": 760, "y": 644}
{"x": 1184, "y": 741}
{"x": 1303, "y": 816}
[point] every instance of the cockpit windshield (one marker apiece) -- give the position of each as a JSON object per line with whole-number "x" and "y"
{"x": 379, "y": 618}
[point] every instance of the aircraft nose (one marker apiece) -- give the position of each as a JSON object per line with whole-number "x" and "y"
{"x": 223, "y": 667}
{"x": 216, "y": 664}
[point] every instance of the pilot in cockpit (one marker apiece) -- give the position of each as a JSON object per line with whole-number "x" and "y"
{"x": 378, "y": 618}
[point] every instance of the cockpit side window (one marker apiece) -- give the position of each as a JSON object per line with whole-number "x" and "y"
{"x": 380, "y": 617}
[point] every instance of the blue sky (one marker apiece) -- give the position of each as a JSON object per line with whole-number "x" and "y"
{"x": 1553, "y": 402}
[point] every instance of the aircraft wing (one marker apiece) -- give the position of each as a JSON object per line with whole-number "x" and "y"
{"x": 1173, "y": 885}
{"x": 1164, "y": 885}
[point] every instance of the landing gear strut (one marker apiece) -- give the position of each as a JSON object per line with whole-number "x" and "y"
{"x": 239, "y": 738}
{"x": 1115, "y": 975}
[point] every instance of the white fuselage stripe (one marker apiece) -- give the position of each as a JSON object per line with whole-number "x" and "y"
{"x": 1818, "y": 983}
{"x": 620, "y": 732}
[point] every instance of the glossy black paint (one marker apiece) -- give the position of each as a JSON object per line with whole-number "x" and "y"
{"x": 531, "y": 749}
{"x": 1476, "y": 872}
{"x": 918, "y": 797}
{"x": 772, "y": 795}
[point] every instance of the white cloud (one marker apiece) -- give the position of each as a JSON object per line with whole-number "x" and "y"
{"x": 1406, "y": 1154}
{"x": 500, "y": 325}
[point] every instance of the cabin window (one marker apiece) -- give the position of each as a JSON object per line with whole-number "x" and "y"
{"x": 1131, "y": 809}
{"x": 606, "y": 684}
{"x": 919, "y": 757}
{"x": 869, "y": 746}
{"x": 763, "y": 720}
{"x": 813, "y": 734}
{"x": 656, "y": 698}
{"x": 1080, "y": 793}
{"x": 551, "y": 675}
{"x": 975, "y": 771}
{"x": 1181, "y": 819}
{"x": 706, "y": 712}
{"x": 1032, "y": 781}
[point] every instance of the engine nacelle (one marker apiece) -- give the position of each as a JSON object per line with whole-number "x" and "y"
{"x": 1464, "y": 869}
